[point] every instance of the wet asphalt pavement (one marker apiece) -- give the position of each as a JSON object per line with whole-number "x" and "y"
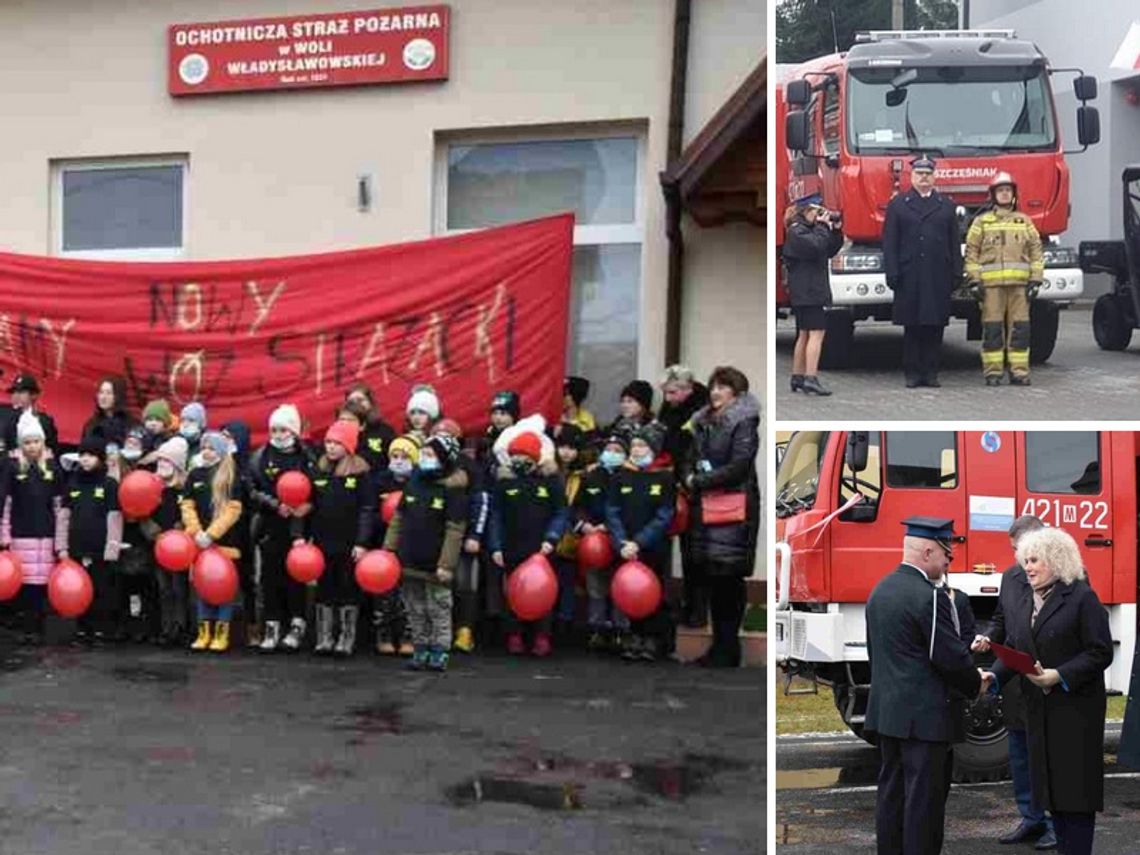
{"x": 825, "y": 802}
{"x": 135, "y": 750}
{"x": 1080, "y": 381}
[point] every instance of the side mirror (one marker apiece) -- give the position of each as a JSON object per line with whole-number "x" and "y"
{"x": 796, "y": 130}
{"x": 858, "y": 445}
{"x": 1088, "y": 126}
{"x": 1084, "y": 87}
{"x": 781, "y": 450}
{"x": 797, "y": 92}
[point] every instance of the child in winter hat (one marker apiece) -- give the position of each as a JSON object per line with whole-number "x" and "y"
{"x": 192, "y": 421}
{"x": 422, "y": 410}
{"x": 286, "y": 417}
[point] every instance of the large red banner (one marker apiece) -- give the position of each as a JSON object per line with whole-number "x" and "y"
{"x": 306, "y": 51}
{"x": 468, "y": 314}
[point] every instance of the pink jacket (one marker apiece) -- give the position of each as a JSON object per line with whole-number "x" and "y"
{"x": 36, "y": 554}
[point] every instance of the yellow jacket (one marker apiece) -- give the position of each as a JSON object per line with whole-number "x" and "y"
{"x": 1003, "y": 248}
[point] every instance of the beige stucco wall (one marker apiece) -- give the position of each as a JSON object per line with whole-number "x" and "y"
{"x": 275, "y": 173}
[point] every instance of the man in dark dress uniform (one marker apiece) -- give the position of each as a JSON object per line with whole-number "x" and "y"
{"x": 917, "y": 657}
{"x": 923, "y": 260}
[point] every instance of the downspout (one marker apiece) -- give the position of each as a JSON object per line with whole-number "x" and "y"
{"x": 670, "y": 187}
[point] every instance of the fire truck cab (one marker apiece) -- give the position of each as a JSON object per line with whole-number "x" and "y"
{"x": 980, "y": 102}
{"x": 840, "y": 501}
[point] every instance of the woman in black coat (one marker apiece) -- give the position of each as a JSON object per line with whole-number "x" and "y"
{"x": 812, "y": 237}
{"x": 726, "y": 505}
{"x": 111, "y": 419}
{"x": 1064, "y": 627}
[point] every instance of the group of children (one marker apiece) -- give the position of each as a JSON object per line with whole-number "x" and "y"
{"x": 465, "y": 519}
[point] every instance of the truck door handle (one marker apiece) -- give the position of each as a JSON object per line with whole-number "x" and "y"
{"x": 959, "y": 538}
{"x": 1097, "y": 540}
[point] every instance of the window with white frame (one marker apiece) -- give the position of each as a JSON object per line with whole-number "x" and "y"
{"x": 491, "y": 181}
{"x": 119, "y": 208}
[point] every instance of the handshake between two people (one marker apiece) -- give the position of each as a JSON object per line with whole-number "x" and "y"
{"x": 1044, "y": 678}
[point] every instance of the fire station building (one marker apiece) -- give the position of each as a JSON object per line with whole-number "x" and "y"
{"x": 212, "y": 130}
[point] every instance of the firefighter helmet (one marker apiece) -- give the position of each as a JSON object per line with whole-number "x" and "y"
{"x": 1003, "y": 179}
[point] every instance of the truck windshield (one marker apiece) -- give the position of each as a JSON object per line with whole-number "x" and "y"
{"x": 948, "y": 110}
{"x": 798, "y": 477}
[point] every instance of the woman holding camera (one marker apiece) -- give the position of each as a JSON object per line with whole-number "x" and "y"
{"x": 813, "y": 236}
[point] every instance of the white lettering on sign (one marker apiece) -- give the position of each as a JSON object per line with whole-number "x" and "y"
{"x": 949, "y": 173}
{"x": 194, "y": 36}
{"x": 308, "y": 63}
{"x": 1056, "y": 513}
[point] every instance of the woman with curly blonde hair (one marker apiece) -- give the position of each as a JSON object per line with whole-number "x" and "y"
{"x": 1061, "y": 623}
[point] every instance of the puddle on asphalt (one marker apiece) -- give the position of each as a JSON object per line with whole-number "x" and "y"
{"x": 473, "y": 791}
{"x": 385, "y": 717}
{"x": 674, "y": 780}
{"x": 818, "y": 779}
{"x": 159, "y": 674}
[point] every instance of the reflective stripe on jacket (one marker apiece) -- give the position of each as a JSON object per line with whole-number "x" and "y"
{"x": 1003, "y": 248}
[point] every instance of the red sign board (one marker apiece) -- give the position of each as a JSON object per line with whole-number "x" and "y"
{"x": 310, "y": 51}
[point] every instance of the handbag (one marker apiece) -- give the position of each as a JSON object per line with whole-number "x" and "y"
{"x": 723, "y": 507}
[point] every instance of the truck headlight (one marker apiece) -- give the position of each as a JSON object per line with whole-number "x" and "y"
{"x": 858, "y": 261}
{"x": 1059, "y": 256}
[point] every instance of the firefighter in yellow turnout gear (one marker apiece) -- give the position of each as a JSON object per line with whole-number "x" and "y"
{"x": 1004, "y": 269}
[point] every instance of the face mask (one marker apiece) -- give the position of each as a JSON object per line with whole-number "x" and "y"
{"x": 428, "y": 465}
{"x": 400, "y": 467}
{"x": 132, "y": 453}
{"x": 190, "y": 430}
{"x": 282, "y": 443}
{"x": 612, "y": 459}
{"x": 642, "y": 462}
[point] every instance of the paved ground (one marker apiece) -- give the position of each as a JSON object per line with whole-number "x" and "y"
{"x": 825, "y": 802}
{"x": 140, "y": 751}
{"x": 1080, "y": 381}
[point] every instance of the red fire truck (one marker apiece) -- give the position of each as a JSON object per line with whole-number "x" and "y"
{"x": 840, "y": 500}
{"x": 980, "y": 102}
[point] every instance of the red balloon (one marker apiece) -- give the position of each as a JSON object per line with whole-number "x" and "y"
{"x": 532, "y": 588}
{"x": 595, "y": 551}
{"x": 175, "y": 551}
{"x": 389, "y": 505}
{"x": 305, "y": 563}
{"x": 636, "y": 590}
{"x": 378, "y": 572}
{"x": 69, "y": 589}
{"x": 140, "y": 494}
{"x": 11, "y": 575}
{"x": 215, "y": 578}
{"x": 294, "y": 489}
{"x": 680, "y": 523}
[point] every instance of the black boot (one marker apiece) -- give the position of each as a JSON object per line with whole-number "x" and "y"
{"x": 812, "y": 386}
{"x": 797, "y": 382}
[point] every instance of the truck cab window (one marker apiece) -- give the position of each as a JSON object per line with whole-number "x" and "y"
{"x": 1063, "y": 462}
{"x": 922, "y": 460}
{"x": 797, "y": 479}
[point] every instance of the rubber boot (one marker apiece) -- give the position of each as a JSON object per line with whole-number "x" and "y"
{"x": 437, "y": 659}
{"x": 272, "y": 636}
{"x": 464, "y": 640}
{"x": 253, "y": 634}
{"x": 204, "y": 636}
{"x": 797, "y": 382}
{"x": 296, "y": 635}
{"x": 346, "y": 644}
{"x": 221, "y": 642}
{"x": 812, "y": 386}
{"x": 324, "y": 645}
{"x": 419, "y": 660}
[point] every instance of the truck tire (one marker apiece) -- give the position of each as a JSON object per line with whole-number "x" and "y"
{"x": 837, "y": 341}
{"x": 984, "y": 756}
{"x": 1044, "y": 318}
{"x": 1111, "y": 328}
